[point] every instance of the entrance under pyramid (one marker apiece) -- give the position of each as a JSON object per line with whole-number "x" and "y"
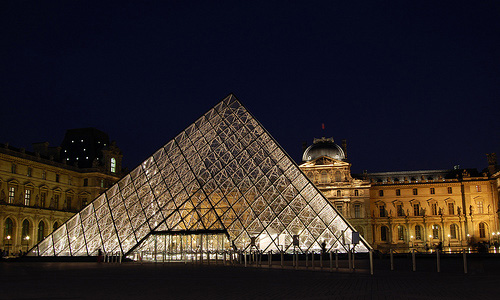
{"x": 222, "y": 183}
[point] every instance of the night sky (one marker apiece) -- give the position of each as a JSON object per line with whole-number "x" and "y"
{"x": 411, "y": 85}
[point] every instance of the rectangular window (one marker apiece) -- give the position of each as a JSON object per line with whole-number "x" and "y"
{"x": 401, "y": 233}
{"x": 357, "y": 211}
{"x": 57, "y": 177}
{"x": 478, "y": 188}
{"x": 416, "y": 209}
{"x": 381, "y": 193}
{"x": 415, "y": 192}
{"x": 29, "y": 172}
{"x": 102, "y": 184}
{"x": 382, "y": 211}
{"x": 85, "y": 182}
{"x": 400, "y": 210}
{"x": 70, "y": 181}
{"x": 398, "y": 192}
{"x": 434, "y": 209}
{"x": 56, "y": 201}
{"x": 356, "y": 193}
{"x": 43, "y": 196}
{"x": 433, "y": 191}
{"x": 44, "y": 175}
{"x": 451, "y": 208}
{"x": 68, "y": 203}
{"x": 12, "y": 194}
{"x": 418, "y": 232}
{"x": 480, "y": 207}
{"x": 27, "y": 197}
{"x": 450, "y": 190}
{"x": 339, "y": 208}
{"x": 13, "y": 168}
{"x": 453, "y": 231}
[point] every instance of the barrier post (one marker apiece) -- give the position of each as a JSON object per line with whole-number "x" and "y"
{"x": 337, "y": 260}
{"x": 414, "y": 261}
{"x": 392, "y": 259}
{"x": 321, "y": 261}
{"x": 371, "y": 262}
{"x": 438, "y": 261}
{"x": 245, "y": 257}
{"x": 282, "y": 258}
{"x": 312, "y": 259}
{"x": 331, "y": 261}
{"x": 307, "y": 260}
{"x": 465, "y": 261}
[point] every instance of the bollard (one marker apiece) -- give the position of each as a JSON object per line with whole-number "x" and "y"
{"x": 321, "y": 261}
{"x": 281, "y": 258}
{"x": 224, "y": 258}
{"x": 270, "y": 258}
{"x": 331, "y": 261}
{"x": 312, "y": 259}
{"x": 413, "y": 259}
{"x": 392, "y": 259}
{"x": 245, "y": 258}
{"x": 337, "y": 260}
{"x": 438, "y": 261}
{"x": 349, "y": 259}
{"x": 465, "y": 261}
{"x": 307, "y": 260}
{"x": 371, "y": 262}
{"x": 120, "y": 257}
{"x": 353, "y": 260}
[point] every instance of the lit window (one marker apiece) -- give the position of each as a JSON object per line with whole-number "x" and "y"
{"x": 478, "y": 188}
{"x": 433, "y": 191}
{"x": 9, "y": 228}
{"x": 480, "y": 207}
{"x": 12, "y": 194}
{"x": 27, "y": 197}
{"x": 435, "y": 231}
{"x": 401, "y": 233}
{"x": 356, "y": 193}
{"x": 25, "y": 230}
{"x": 41, "y": 231}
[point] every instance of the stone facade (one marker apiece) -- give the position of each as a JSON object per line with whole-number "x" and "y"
{"x": 409, "y": 210}
{"x": 38, "y": 192}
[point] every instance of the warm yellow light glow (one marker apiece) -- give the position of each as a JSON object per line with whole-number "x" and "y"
{"x": 8, "y": 237}
{"x": 430, "y": 236}
{"x": 27, "y": 238}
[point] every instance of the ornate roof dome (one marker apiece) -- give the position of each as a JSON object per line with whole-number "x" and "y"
{"x": 323, "y": 147}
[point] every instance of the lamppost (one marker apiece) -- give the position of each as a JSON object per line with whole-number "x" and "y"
{"x": 449, "y": 242}
{"x": 8, "y": 244}
{"x": 430, "y": 242}
{"x": 27, "y": 238}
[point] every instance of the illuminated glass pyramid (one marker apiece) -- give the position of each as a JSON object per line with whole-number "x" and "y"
{"x": 223, "y": 173}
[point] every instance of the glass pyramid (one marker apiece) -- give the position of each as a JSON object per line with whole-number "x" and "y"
{"x": 222, "y": 173}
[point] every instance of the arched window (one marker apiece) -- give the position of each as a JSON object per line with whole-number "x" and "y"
{"x": 41, "y": 231}
{"x": 9, "y": 228}
{"x": 113, "y": 165}
{"x": 384, "y": 233}
{"x": 418, "y": 232}
{"x": 339, "y": 193}
{"x": 482, "y": 230}
{"x": 324, "y": 177}
{"x": 55, "y": 226}
{"x": 453, "y": 231}
{"x": 25, "y": 229}
{"x": 435, "y": 231}
{"x": 401, "y": 233}
{"x": 338, "y": 176}
{"x": 356, "y": 193}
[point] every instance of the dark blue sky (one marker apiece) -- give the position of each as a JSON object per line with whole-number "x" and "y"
{"x": 410, "y": 84}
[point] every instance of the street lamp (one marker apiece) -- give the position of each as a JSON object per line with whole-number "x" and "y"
{"x": 27, "y": 238}
{"x": 8, "y": 244}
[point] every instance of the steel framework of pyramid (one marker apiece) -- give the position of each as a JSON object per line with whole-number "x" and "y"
{"x": 223, "y": 173}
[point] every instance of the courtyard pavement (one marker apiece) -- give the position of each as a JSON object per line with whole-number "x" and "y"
{"x": 89, "y": 280}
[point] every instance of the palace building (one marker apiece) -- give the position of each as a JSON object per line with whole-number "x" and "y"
{"x": 413, "y": 209}
{"x": 43, "y": 188}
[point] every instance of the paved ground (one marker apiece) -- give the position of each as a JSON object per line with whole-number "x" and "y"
{"x": 64, "y": 280}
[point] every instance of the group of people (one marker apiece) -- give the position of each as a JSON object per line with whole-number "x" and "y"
{"x": 6, "y": 253}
